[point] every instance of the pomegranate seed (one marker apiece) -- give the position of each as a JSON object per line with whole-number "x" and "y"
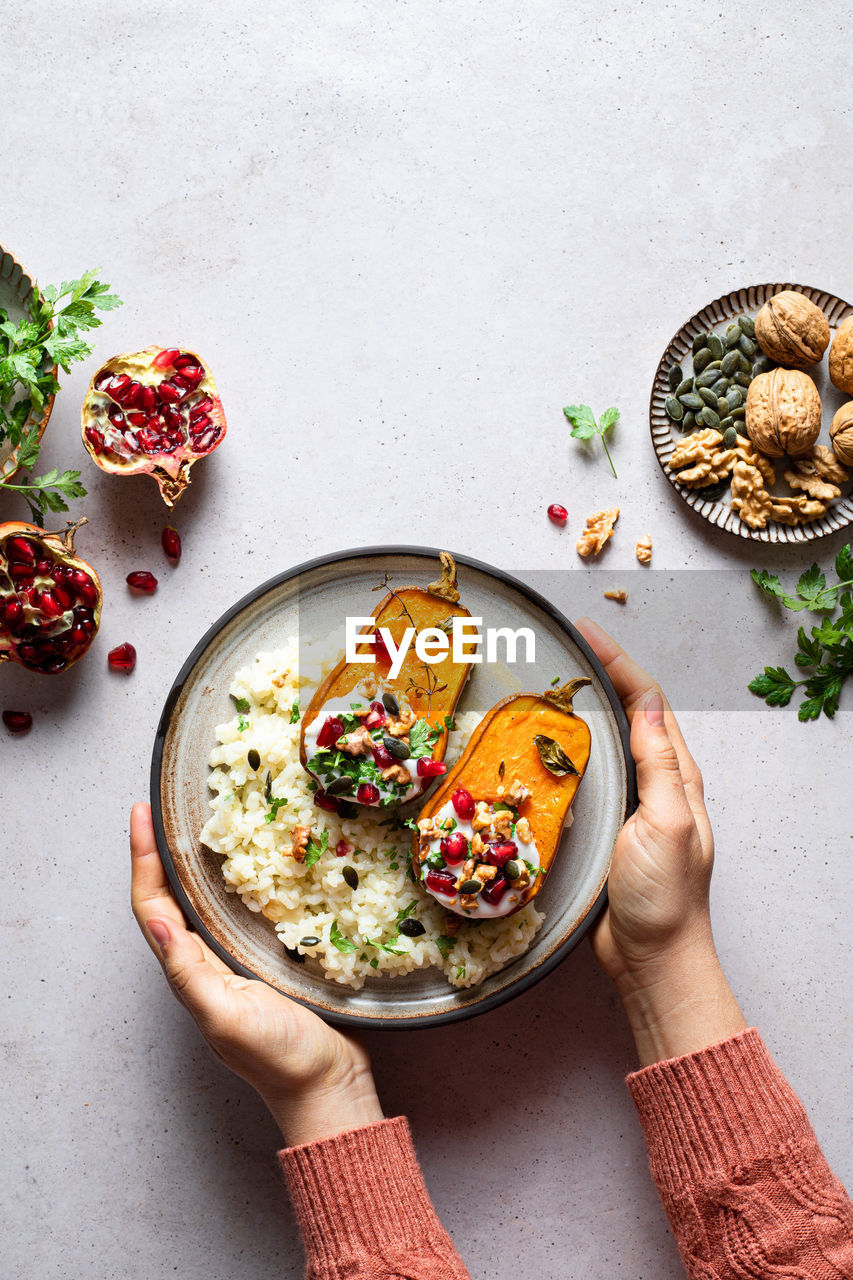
{"x": 182, "y": 360}
{"x": 21, "y": 574}
{"x": 496, "y": 889}
{"x": 499, "y": 853}
{"x": 44, "y": 567}
{"x": 454, "y": 848}
{"x": 132, "y": 396}
{"x": 204, "y": 406}
{"x": 376, "y": 716}
{"x": 343, "y": 850}
{"x": 191, "y": 374}
{"x": 380, "y": 648}
{"x": 431, "y": 768}
{"x": 169, "y": 392}
{"x": 122, "y": 658}
{"x": 137, "y": 419}
{"x": 367, "y": 793}
{"x": 20, "y": 548}
{"x": 13, "y": 612}
{"x": 149, "y": 399}
{"x": 172, "y": 418}
{"x": 440, "y": 881}
{"x": 88, "y": 593}
{"x": 18, "y": 721}
{"x": 322, "y": 801}
{"x": 49, "y": 604}
{"x": 165, "y": 358}
{"x": 332, "y": 730}
{"x": 205, "y": 442}
{"x": 96, "y": 439}
{"x": 77, "y": 634}
{"x": 142, "y": 580}
{"x": 463, "y": 803}
{"x": 116, "y": 417}
{"x": 28, "y": 655}
{"x": 171, "y": 541}
{"x": 557, "y": 514}
{"x": 149, "y": 440}
{"x": 117, "y": 386}
{"x": 382, "y": 757}
{"x": 199, "y": 425}
{"x": 63, "y": 595}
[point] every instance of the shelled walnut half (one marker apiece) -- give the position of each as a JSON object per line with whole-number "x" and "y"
{"x": 599, "y": 527}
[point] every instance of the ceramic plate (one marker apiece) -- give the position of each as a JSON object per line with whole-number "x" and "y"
{"x": 665, "y": 436}
{"x": 15, "y": 289}
{"x": 312, "y": 600}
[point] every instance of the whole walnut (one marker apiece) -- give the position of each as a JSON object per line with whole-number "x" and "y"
{"x": 841, "y": 434}
{"x": 841, "y": 357}
{"x": 791, "y": 330}
{"x": 783, "y": 412}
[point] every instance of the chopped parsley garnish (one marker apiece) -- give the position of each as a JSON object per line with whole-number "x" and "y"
{"x": 338, "y": 940}
{"x": 242, "y": 704}
{"x": 386, "y": 947}
{"x": 242, "y": 724}
{"x": 449, "y": 723}
{"x": 315, "y": 851}
{"x": 294, "y": 712}
{"x": 460, "y": 971}
{"x": 434, "y": 860}
{"x": 555, "y": 681}
{"x": 422, "y": 738}
{"x": 406, "y": 912}
{"x": 393, "y": 866}
{"x": 444, "y": 944}
{"x": 279, "y": 802}
{"x": 534, "y": 870}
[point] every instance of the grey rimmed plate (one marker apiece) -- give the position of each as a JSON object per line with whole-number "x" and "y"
{"x": 665, "y": 436}
{"x": 312, "y": 601}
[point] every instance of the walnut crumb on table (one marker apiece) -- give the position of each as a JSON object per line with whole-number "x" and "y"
{"x": 619, "y": 594}
{"x": 644, "y": 550}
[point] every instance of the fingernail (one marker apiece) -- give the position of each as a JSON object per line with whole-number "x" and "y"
{"x": 159, "y": 932}
{"x": 654, "y": 708}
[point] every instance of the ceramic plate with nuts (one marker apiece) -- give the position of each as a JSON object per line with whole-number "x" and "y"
{"x": 752, "y": 413}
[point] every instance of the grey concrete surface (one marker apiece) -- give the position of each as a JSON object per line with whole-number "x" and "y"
{"x": 404, "y": 236}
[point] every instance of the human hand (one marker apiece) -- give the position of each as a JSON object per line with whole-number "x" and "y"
{"x": 654, "y": 939}
{"x": 315, "y": 1081}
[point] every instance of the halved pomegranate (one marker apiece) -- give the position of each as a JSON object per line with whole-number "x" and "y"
{"x": 154, "y": 411}
{"x": 50, "y": 599}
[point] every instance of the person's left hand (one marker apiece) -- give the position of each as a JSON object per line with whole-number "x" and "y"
{"x": 315, "y": 1081}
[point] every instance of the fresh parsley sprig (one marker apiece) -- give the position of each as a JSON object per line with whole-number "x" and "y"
{"x": 585, "y": 426}
{"x": 826, "y": 653}
{"x": 29, "y": 350}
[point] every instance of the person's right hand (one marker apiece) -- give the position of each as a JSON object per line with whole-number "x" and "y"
{"x": 654, "y": 939}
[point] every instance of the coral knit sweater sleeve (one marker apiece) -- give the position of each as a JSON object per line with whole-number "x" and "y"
{"x": 743, "y": 1181}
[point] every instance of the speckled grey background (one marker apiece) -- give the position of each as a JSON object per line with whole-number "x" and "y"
{"x": 404, "y": 236}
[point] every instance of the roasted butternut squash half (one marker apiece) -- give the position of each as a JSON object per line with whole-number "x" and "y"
{"x": 380, "y": 740}
{"x": 488, "y": 835}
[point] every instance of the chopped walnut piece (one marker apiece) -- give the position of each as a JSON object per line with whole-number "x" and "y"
{"x": 452, "y": 924}
{"x": 467, "y": 870}
{"x": 644, "y": 550}
{"x": 522, "y": 880}
{"x": 515, "y": 794}
{"x": 703, "y": 457}
{"x": 299, "y": 843}
{"x": 618, "y": 593}
{"x": 357, "y": 743}
{"x": 482, "y": 819}
{"x": 485, "y": 872}
{"x": 478, "y": 844}
{"x": 502, "y": 823}
{"x": 396, "y": 773}
{"x": 599, "y": 527}
{"x": 522, "y": 830}
{"x": 281, "y": 680}
{"x": 429, "y": 829}
{"x": 399, "y": 726}
{"x": 468, "y": 901}
{"x": 367, "y": 687}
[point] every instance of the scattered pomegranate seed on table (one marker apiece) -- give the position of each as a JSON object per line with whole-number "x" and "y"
{"x": 557, "y": 514}
{"x": 171, "y": 541}
{"x": 122, "y": 658}
{"x": 18, "y": 721}
{"x": 143, "y": 581}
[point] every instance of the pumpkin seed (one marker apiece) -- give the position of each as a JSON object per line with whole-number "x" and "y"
{"x": 390, "y": 704}
{"x": 707, "y": 379}
{"x": 674, "y": 376}
{"x": 747, "y": 326}
{"x": 715, "y": 364}
{"x": 712, "y": 492}
{"x": 733, "y": 335}
{"x": 735, "y": 396}
{"x": 700, "y": 342}
{"x": 725, "y": 423}
{"x": 347, "y": 810}
{"x": 395, "y": 747}
{"x": 693, "y": 400}
{"x": 746, "y": 345}
{"x": 709, "y": 418}
{"x": 739, "y": 413}
{"x": 745, "y": 365}
{"x": 688, "y": 422}
{"x": 512, "y": 869}
{"x": 743, "y": 379}
{"x": 729, "y": 438}
{"x": 310, "y": 941}
{"x": 351, "y": 876}
{"x": 722, "y": 406}
{"x": 715, "y": 346}
{"x": 411, "y": 928}
{"x": 761, "y": 365}
{"x": 708, "y": 398}
{"x": 740, "y": 427}
{"x": 701, "y": 360}
{"x": 268, "y": 787}
{"x": 674, "y": 409}
{"x": 684, "y": 386}
{"x": 730, "y": 363}
{"x": 720, "y": 387}
{"x": 341, "y": 786}
{"x": 467, "y": 886}
{"x": 254, "y": 758}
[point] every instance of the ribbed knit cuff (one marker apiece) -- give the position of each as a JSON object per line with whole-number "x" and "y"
{"x": 361, "y": 1195}
{"x": 710, "y": 1111}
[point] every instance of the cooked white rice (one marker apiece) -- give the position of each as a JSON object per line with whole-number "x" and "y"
{"x": 307, "y": 901}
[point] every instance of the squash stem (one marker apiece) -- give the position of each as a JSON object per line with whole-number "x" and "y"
{"x": 563, "y": 696}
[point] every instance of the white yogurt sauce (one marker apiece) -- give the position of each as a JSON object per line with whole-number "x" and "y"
{"x": 527, "y": 852}
{"x": 338, "y": 706}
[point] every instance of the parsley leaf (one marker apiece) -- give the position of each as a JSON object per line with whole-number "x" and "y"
{"x": 242, "y": 724}
{"x": 775, "y": 686}
{"x": 585, "y": 427}
{"x": 338, "y": 940}
{"x": 315, "y": 851}
{"x": 294, "y": 712}
{"x": 445, "y": 945}
{"x": 242, "y": 704}
{"x": 419, "y": 735}
{"x": 280, "y": 802}
{"x": 406, "y": 912}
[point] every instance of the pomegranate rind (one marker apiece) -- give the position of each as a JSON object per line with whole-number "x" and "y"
{"x": 171, "y": 470}
{"x": 60, "y": 545}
